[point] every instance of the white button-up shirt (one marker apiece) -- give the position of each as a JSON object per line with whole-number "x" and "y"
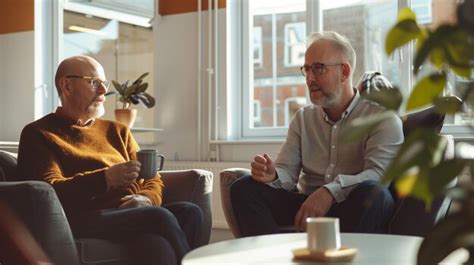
{"x": 314, "y": 155}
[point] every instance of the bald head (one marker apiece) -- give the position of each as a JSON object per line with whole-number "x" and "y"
{"x": 80, "y": 65}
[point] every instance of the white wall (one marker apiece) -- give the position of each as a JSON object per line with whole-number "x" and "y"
{"x": 17, "y": 86}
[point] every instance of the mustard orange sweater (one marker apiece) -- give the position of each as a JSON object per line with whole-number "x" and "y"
{"x": 73, "y": 159}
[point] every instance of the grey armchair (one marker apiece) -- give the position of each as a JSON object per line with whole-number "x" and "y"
{"x": 37, "y": 206}
{"x": 410, "y": 217}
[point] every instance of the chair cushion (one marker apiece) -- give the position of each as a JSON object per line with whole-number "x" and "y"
{"x": 7, "y": 166}
{"x": 101, "y": 252}
{"x": 426, "y": 118}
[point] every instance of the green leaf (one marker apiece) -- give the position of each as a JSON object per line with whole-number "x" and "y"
{"x": 426, "y": 90}
{"x": 360, "y": 126}
{"x": 130, "y": 91}
{"x": 150, "y": 101}
{"x": 117, "y": 87}
{"x": 423, "y": 148}
{"x": 388, "y": 98}
{"x": 437, "y": 57}
{"x": 142, "y": 88}
{"x": 140, "y": 79}
{"x": 125, "y": 86}
{"x": 402, "y": 33}
{"x": 448, "y": 104}
{"x": 419, "y": 170}
{"x": 421, "y": 188}
{"x": 443, "y": 173}
{"x": 437, "y": 39}
{"x": 457, "y": 51}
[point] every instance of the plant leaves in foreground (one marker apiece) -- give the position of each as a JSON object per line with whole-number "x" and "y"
{"x": 423, "y": 148}
{"x": 403, "y": 32}
{"x": 426, "y": 90}
{"x": 360, "y": 126}
{"x": 388, "y": 98}
{"x": 448, "y": 104}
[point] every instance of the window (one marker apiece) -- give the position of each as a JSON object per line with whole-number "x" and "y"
{"x": 282, "y": 25}
{"x": 125, "y": 50}
{"x": 292, "y": 105}
{"x": 422, "y": 9}
{"x": 257, "y": 47}
{"x": 365, "y": 24}
{"x": 295, "y": 44}
{"x": 257, "y": 111}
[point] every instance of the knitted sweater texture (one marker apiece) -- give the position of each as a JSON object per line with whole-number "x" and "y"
{"x": 73, "y": 159}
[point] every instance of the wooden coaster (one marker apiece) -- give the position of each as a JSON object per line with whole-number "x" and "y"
{"x": 335, "y": 255}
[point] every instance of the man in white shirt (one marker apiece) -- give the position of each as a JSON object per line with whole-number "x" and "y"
{"x": 315, "y": 173}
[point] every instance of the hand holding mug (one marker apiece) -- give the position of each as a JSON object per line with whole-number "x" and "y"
{"x": 149, "y": 163}
{"x": 123, "y": 174}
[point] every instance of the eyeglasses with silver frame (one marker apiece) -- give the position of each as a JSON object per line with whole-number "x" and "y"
{"x": 317, "y": 68}
{"x": 94, "y": 81}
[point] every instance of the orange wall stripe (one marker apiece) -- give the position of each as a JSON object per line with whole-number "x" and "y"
{"x": 172, "y": 7}
{"x": 17, "y": 16}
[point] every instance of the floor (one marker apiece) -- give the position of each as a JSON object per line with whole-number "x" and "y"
{"x": 219, "y": 234}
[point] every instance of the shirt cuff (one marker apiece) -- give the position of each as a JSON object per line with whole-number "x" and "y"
{"x": 336, "y": 191}
{"x": 282, "y": 181}
{"x": 277, "y": 183}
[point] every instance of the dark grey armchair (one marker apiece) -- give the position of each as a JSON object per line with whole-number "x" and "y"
{"x": 410, "y": 217}
{"x": 37, "y": 206}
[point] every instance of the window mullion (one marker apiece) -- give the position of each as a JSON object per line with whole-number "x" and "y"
{"x": 274, "y": 70}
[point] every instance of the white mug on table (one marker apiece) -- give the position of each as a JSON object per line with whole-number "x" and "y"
{"x": 323, "y": 233}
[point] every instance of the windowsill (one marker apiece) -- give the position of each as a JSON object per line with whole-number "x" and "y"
{"x": 250, "y": 141}
{"x": 459, "y": 132}
{"x": 138, "y": 129}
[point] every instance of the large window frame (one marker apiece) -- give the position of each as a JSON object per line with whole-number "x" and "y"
{"x": 246, "y": 75}
{"x": 313, "y": 23}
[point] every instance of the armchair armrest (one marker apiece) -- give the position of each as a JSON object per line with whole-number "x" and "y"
{"x": 194, "y": 186}
{"x": 227, "y": 177}
{"x": 35, "y": 203}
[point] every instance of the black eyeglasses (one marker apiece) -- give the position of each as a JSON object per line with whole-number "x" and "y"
{"x": 94, "y": 82}
{"x": 317, "y": 68}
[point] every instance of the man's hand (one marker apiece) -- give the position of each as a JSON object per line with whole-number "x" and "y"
{"x": 263, "y": 169}
{"x": 316, "y": 205}
{"x": 122, "y": 175}
{"x": 132, "y": 201}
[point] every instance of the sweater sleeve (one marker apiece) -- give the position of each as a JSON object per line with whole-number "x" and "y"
{"x": 37, "y": 161}
{"x": 151, "y": 188}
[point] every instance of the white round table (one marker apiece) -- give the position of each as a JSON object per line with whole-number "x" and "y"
{"x": 276, "y": 249}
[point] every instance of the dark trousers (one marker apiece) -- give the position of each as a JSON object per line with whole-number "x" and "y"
{"x": 261, "y": 209}
{"x": 154, "y": 235}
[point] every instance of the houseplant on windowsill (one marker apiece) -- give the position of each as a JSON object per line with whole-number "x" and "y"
{"x": 418, "y": 169}
{"x": 129, "y": 95}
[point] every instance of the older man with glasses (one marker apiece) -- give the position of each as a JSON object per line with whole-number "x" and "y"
{"x": 91, "y": 163}
{"x": 315, "y": 173}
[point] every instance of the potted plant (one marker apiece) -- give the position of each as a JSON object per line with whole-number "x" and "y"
{"x": 131, "y": 94}
{"x": 417, "y": 168}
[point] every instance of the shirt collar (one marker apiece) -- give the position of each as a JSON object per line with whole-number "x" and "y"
{"x": 61, "y": 113}
{"x": 348, "y": 110}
